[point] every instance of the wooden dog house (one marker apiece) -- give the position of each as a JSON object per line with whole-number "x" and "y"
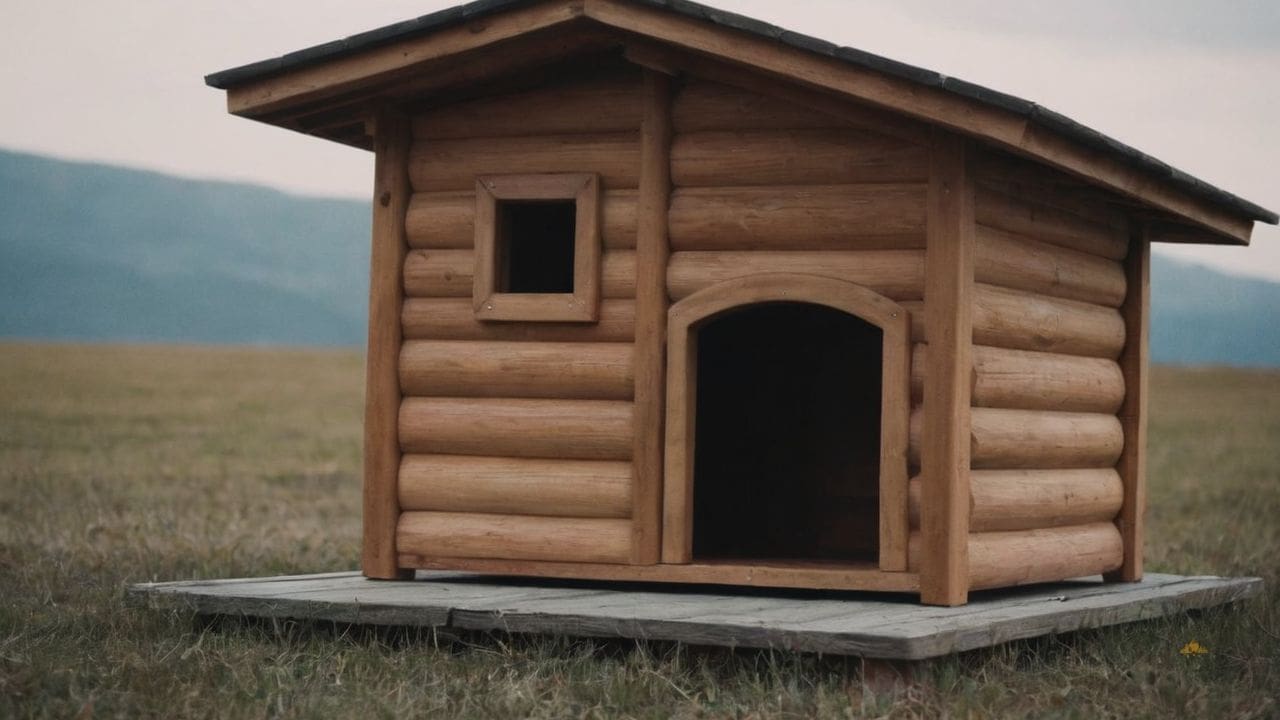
{"x": 664, "y": 293}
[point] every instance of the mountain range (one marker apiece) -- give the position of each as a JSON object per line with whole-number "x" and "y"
{"x": 103, "y": 253}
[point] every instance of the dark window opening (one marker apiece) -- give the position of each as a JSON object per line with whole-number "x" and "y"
{"x": 535, "y": 246}
{"x": 787, "y": 448}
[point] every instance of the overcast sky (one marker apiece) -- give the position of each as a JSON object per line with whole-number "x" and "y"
{"x": 1191, "y": 82}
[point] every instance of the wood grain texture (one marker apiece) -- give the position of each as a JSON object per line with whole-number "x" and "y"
{"x": 451, "y": 274}
{"x": 799, "y": 217}
{"x": 516, "y": 486}
{"x": 441, "y": 220}
{"x": 1027, "y": 321}
{"x": 945, "y": 109}
{"x": 593, "y": 105}
{"x": 896, "y": 274}
{"x": 652, "y": 253}
{"x": 746, "y": 573}
{"x": 455, "y": 164}
{"x": 703, "y": 105}
{"x": 446, "y": 220}
{"x": 492, "y": 301}
{"x": 1011, "y": 261}
{"x": 439, "y": 273}
{"x": 305, "y": 86}
{"x": 1016, "y": 176}
{"x": 564, "y": 429}
{"x": 1024, "y": 380}
{"x": 455, "y": 319}
{"x": 1030, "y": 499}
{"x": 518, "y": 537}
{"x": 1135, "y": 361}
{"x": 382, "y": 386}
{"x": 450, "y": 368}
{"x": 719, "y": 95}
{"x": 1034, "y": 438}
{"x": 943, "y": 445}
{"x": 1049, "y": 224}
{"x": 1019, "y": 557}
{"x": 793, "y": 157}
{"x": 848, "y": 624}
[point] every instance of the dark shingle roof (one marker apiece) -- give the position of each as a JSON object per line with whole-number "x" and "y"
{"x": 1031, "y": 111}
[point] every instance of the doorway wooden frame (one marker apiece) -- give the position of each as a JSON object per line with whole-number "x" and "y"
{"x": 689, "y": 314}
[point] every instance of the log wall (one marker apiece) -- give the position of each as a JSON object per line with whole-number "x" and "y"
{"x": 1048, "y": 330}
{"x": 513, "y": 432}
{"x": 764, "y": 185}
{"x": 517, "y": 436}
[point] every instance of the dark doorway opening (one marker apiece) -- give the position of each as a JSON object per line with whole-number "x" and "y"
{"x": 787, "y": 436}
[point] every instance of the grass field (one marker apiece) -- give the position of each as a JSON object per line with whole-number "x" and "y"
{"x": 120, "y": 465}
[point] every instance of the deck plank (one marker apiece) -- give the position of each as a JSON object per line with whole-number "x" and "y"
{"x": 891, "y": 627}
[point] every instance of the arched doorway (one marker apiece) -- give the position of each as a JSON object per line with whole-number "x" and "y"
{"x": 787, "y": 416}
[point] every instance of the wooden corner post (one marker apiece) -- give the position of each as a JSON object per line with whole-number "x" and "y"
{"x": 944, "y": 450}
{"x": 652, "y": 251}
{"x": 391, "y": 138}
{"x": 1134, "y": 362}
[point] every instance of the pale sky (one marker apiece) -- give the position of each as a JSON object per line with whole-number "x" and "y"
{"x": 1193, "y": 82}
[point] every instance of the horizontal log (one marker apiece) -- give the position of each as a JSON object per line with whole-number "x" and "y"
{"x": 1025, "y": 380}
{"x": 780, "y": 92}
{"x": 831, "y": 217}
{"x": 702, "y": 105}
{"x": 1049, "y": 224}
{"x": 513, "y": 537}
{"x": 793, "y": 157}
{"x": 499, "y": 427}
{"x": 1034, "y": 439}
{"x": 1020, "y": 557}
{"x": 1007, "y": 260}
{"x": 455, "y": 319}
{"x": 1036, "y": 183}
{"x": 446, "y": 220}
{"x": 1027, "y": 321}
{"x": 450, "y": 368}
{"x": 591, "y": 106}
{"x": 516, "y": 486}
{"x": 1029, "y": 499}
{"x": 1043, "y": 439}
{"x": 441, "y": 220}
{"x": 897, "y": 274}
{"x": 455, "y": 164}
{"x": 451, "y": 273}
{"x": 439, "y": 273}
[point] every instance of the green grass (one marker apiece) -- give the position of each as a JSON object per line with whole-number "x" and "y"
{"x": 124, "y": 464}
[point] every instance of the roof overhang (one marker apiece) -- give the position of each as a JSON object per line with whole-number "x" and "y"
{"x": 330, "y": 90}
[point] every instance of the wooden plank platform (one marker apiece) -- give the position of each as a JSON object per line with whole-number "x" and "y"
{"x": 878, "y": 626}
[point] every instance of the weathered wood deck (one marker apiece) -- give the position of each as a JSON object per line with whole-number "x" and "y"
{"x": 879, "y": 626}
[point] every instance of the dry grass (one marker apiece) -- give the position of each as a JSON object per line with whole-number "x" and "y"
{"x": 120, "y": 465}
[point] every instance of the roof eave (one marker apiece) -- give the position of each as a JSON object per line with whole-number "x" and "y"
{"x": 270, "y": 87}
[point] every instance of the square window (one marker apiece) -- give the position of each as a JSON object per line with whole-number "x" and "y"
{"x": 535, "y": 246}
{"x": 538, "y": 248}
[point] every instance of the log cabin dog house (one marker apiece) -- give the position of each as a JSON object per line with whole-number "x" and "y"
{"x": 664, "y": 293}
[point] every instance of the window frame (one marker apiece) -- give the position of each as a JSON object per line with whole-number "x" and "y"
{"x": 581, "y": 305}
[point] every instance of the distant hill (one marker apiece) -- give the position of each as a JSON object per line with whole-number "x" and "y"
{"x": 1203, "y": 317}
{"x": 95, "y": 252}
